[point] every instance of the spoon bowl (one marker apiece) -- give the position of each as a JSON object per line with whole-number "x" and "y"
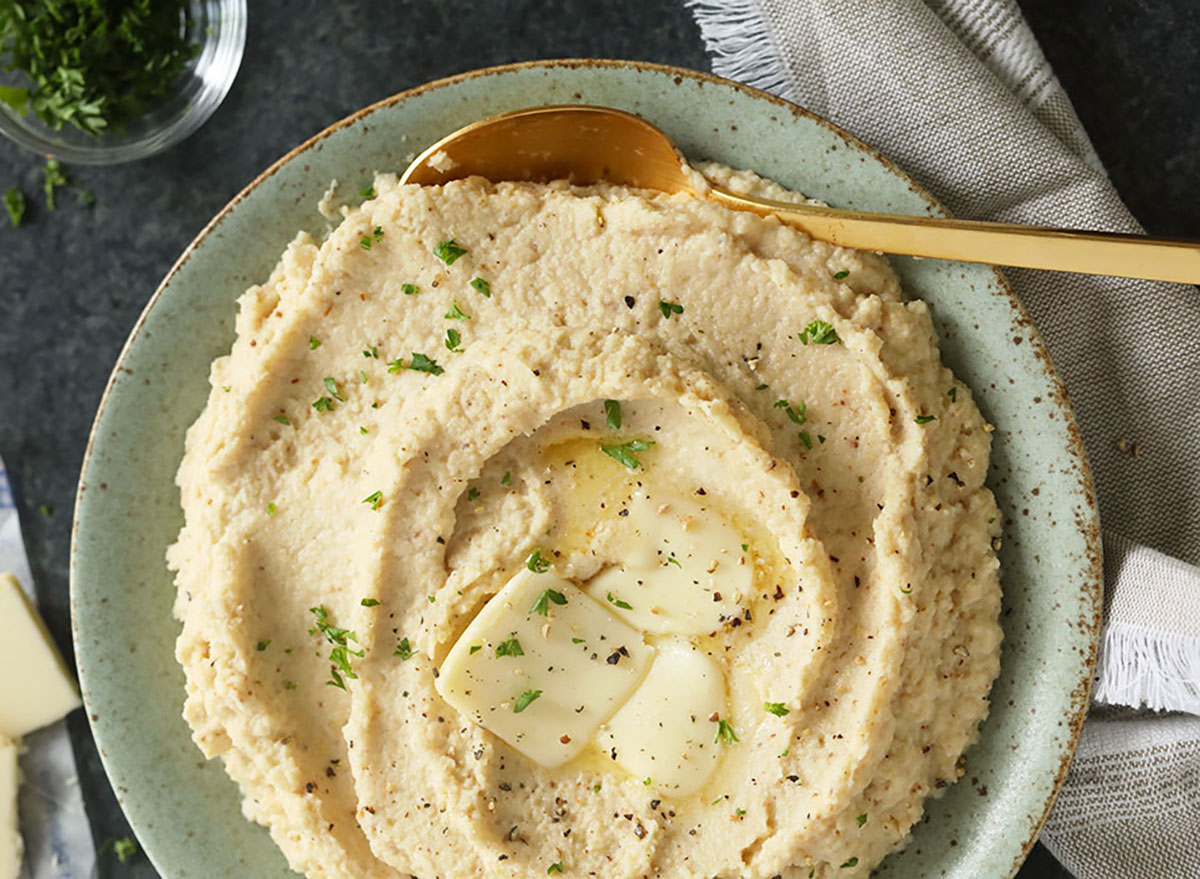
{"x": 586, "y": 144}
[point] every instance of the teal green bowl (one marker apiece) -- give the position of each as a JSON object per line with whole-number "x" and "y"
{"x": 186, "y": 812}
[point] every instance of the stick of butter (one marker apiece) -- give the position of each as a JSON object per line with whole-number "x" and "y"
{"x": 11, "y": 847}
{"x": 37, "y": 689}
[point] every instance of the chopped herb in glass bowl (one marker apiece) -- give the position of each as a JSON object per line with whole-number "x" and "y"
{"x": 105, "y": 81}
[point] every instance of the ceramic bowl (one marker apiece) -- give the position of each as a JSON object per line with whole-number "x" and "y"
{"x": 186, "y": 811}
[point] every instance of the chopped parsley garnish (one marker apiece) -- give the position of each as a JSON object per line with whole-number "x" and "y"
{"x": 612, "y": 414}
{"x": 482, "y": 286}
{"x": 453, "y": 341}
{"x": 510, "y": 647}
{"x": 806, "y": 439}
{"x": 556, "y": 867}
{"x": 283, "y": 419}
{"x": 370, "y": 602}
{"x": 375, "y": 498}
{"x": 410, "y": 289}
{"x": 475, "y": 648}
{"x": 331, "y": 386}
{"x": 456, "y": 313}
{"x": 313, "y": 343}
{"x": 853, "y": 862}
{"x": 449, "y": 251}
{"x": 953, "y": 395}
{"x": 290, "y": 685}
{"x": 844, "y": 273}
{"x": 323, "y": 404}
{"x": 761, "y": 387}
{"x": 725, "y": 734}
{"x": 820, "y": 333}
{"x": 404, "y": 650}
{"x": 419, "y": 363}
{"x": 541, "y": 605}
{"x": 371, "y": 352}
{"x": 617, "y": 602}
{"x": 52, "y": 178}
{"x": 369, "y": 192}
{"x": 671, "y": 560}
{"x": 745, "y": 547}
{"x": 525, "y": 700}
{"x": 576, "y": 640}
{"x": 623, "y": 453}
{"x": 820, "y": 438}
{"x": 537, "y": 564}
{"x": 669, "y": 308}
{"x": 375, "y": 236}
{"x": 93, "y": 65}
{"x": 506, "y": 479}
{"x": 271, "y": 508}
{"x": 861, "y": 819}
{"x": 14, "y": 203}
{"x": 363, "y": 430}
{"x": 739, "y": 812}
{"x": 798, "y": 413}
{"x": 262, "y": 645}
{"x": 340, "y": 655}
{"x": 472, "y": 494}
{"x": 46, "y": 510}
{"x": 777, "y": 708}
{"x": 362, "y": 377}
{"x": 925, "y": 419}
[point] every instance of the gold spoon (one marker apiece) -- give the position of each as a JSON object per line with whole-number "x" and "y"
{"x": 586, "y": 144}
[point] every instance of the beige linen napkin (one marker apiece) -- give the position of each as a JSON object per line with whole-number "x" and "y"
{"x": 959, "y": 94}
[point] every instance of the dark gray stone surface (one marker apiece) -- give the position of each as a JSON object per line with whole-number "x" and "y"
{"x": 72, "y": 283}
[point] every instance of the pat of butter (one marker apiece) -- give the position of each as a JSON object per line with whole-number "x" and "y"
{"x": 683, "y": 570}
{"x": 663, "y": 733}
{"x": 36, "y": 688}
{"x": 543, "y": 682}
{"x": 10, "y": 839}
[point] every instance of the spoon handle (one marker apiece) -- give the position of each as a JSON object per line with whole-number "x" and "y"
{"x": 1005, "y": 244}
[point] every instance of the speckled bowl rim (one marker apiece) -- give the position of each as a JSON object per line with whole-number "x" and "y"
{"x": 1093, "y": 577}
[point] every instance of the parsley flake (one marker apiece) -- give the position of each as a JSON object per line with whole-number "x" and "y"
{"x": 844, "y": 273}
{"x": 283, "y": 419}
{"x": 472, "y": 494}
{"x": 271, "y": 508}
{"x": 506, "y": 479}
{"x": 371, "y": 352}
{"x": 370, "y": 602}
{"x": 376, "y": 235}
{"x": 612, "y": 414}
{"x": 725, "y": 734}
{"x": 331, "y": 386}
{"x": 375, "y": 498}
{"x": 556, "y": 867}
{"x": 622, "y": 453}
{"x": 453, "y": 341}
{"x": 617, "y": 602}
{"x": 541, "y": 605}
{"x": 806, "y": 439}
{"x": 536, "y": 563}
{"x": 14, "y": 203}
{"x": 861, "y": 819}
{"x": 419, "y": 363}
{"x": 925, "y": 419}
{"x": 820, "y": 332}
{"x": 404, "y": 650}
{"x": 410, "y": 289}
{"x": 449, "y": 251}
{"x": 369, "y": 192}
{"x": 456, "y": 313}
{"x": 482, "y": 286}
{"x": 853, "y": 862}
{"x": 669, "y": 308}
{"x": 340, "y": 657}
{"x": 313, "y": 343}
{"x": 124, "y": 848}
{"x": 52, "y": 178}
{"x": 525, "y": 700}
{"x": 262, "y": 645}
{"x": 777, "y": 708}
{"x": 510, "y": 647}
{"x": 475, "y": 648}
{"x": 953, "y": 395}
{"x": 671, "y": 560}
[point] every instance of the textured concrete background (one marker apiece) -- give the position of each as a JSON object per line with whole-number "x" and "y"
{"x": 73, "y": 282}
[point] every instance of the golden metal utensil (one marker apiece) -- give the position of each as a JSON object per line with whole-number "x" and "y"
{"x": 585, "y": 144}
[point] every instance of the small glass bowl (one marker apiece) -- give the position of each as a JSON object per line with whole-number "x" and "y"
{"x": 219, "y": 27}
